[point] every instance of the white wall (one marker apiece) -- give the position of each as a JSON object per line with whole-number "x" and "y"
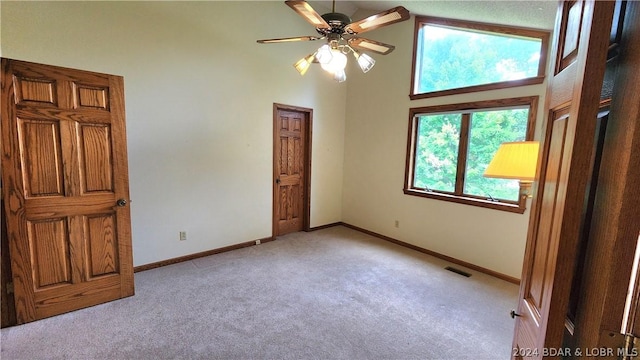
{"x": 199, "y": 95}
{"x": 374, "y": 168}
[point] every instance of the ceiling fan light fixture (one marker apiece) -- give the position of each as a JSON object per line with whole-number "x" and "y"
{"x": 340, "y": 76}
{"x": 303, "y": 64}
{"x": 365, "y": 61}
{"x": 341, "y": 35}
{"x": 324, "y": 55}
{"x": 338, "y": 62}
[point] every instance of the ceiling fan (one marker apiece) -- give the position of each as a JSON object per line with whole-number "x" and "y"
{"x": 342, "y": 38}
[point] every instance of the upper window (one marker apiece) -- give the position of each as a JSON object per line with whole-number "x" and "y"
{"x": 452, "y": 57}
{"x": 450, "y": 147}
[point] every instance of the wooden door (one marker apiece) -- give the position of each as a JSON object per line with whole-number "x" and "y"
{"x": 291, "y": 169}
{"x": 581, "y": 41}
{"x": 65, "y": 186}
{"x": 604, "y": 313}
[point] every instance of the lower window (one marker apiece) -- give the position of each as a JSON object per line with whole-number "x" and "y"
{"x": 450, "y": 146}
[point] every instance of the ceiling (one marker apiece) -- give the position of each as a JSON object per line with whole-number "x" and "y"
{"x": 533, "y": 14}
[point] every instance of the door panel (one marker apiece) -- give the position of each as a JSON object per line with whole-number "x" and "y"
{"x": 96, "y": 163}
{"x": 291, "y": 169}
{"x": 580, "y": 49}
{"x": 64, "y": 168}
{"x": 102, "y": 244}
{"x": 49, "y": 246}
{"x": 41, "y": 157}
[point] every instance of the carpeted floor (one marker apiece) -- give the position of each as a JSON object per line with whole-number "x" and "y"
{"x": 330, "y": 294}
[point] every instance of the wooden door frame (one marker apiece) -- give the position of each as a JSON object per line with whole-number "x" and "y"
{"x": 306, "y": 199}
{"x": 615, "y": 223}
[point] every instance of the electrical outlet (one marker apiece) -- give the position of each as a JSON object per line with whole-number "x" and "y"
{"x": 257, "y": 242}
{"x": 397, "y": 224}
{"x": 183, "y": 235}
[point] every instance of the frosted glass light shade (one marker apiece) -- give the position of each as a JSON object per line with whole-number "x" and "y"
{"x": 514, "y": 160}
{"x": 324, "y": 54}
{"x": 365, "y": 61}
{"x": 340, "y": 76}
{"x": 338, "y": 62}
{"x": 303, "y": 64}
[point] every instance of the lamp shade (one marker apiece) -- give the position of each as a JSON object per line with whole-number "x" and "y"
{"x": 514, "y": 160}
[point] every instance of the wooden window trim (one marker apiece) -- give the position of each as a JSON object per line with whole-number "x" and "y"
{"x": 464, "y": 108}
{"x": 493, "y": 28}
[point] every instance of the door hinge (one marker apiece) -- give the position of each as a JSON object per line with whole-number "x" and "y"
{"x": 622, "y": 346}
{"x": 9, "y": 288}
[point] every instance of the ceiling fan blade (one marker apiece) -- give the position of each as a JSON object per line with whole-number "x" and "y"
{"x": 384, "y": 18}
{"x": 306, "y": 11}
{"x": 375, "y": 46}
{"x": 291, "y": 39}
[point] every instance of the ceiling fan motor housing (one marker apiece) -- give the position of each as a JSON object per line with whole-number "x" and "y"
{"x": 337, "y": 21}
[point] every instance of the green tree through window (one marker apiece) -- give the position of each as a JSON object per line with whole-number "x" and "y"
{"x": 489, "y": 129}
{"x": 454, "y": 56}
{"x": 437, "y": 152}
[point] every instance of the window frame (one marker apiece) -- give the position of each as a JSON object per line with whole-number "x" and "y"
{"x": 464, "y": 109}
{"x": 481, "y": 27}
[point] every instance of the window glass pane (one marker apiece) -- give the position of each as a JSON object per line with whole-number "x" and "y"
{"x": 451, "y": 58}
{"x": 488, "y": 129}
{"x": 436, "y": 155}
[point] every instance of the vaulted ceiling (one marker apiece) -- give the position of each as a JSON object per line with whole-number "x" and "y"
{"x": 533, "y": 14}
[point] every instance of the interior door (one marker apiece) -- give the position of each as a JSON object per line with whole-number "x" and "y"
{"x": 581, "y": 40}
{"x": 291, "y": 169}
{"x": 608, "y": 304}
{"x": 65, "y": 186}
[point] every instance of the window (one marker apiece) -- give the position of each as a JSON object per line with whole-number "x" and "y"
{"x": 450, "y": 146}
{"x": 452, "y": 57}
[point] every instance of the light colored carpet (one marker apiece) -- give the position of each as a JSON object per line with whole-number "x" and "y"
{"x": 330, "y": 294}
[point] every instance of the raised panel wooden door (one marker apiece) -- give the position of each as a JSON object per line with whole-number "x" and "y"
{"x": 573, "y": 94}
{"x": 290, "y": 150}
{"x": 64, "y": 168}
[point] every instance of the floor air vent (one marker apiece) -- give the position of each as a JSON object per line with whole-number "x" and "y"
{"x": 458, "y": 271}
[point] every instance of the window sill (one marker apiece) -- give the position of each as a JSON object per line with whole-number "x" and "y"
{"x": 467, "y": 200}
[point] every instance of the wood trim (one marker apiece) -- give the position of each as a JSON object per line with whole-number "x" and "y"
{"x": 476, "y": 105}
{"x": 469, "y": 200}
{"x": 7, "y": 301}
{"x": 307, "y": 159}
{"x": 485, "y": 27}
{"x": 476, "y": 88}
{"x": 414, "y": 55}
{"x": 326, "y": 226}
{"x": 200, "y": 254}
{"x": 411, "y": 151}
{"x": 436, "y": 254}
{"x": 616, "y": 213}
{"x": 543, "y": 35}
{"x": 463, "y": 147}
